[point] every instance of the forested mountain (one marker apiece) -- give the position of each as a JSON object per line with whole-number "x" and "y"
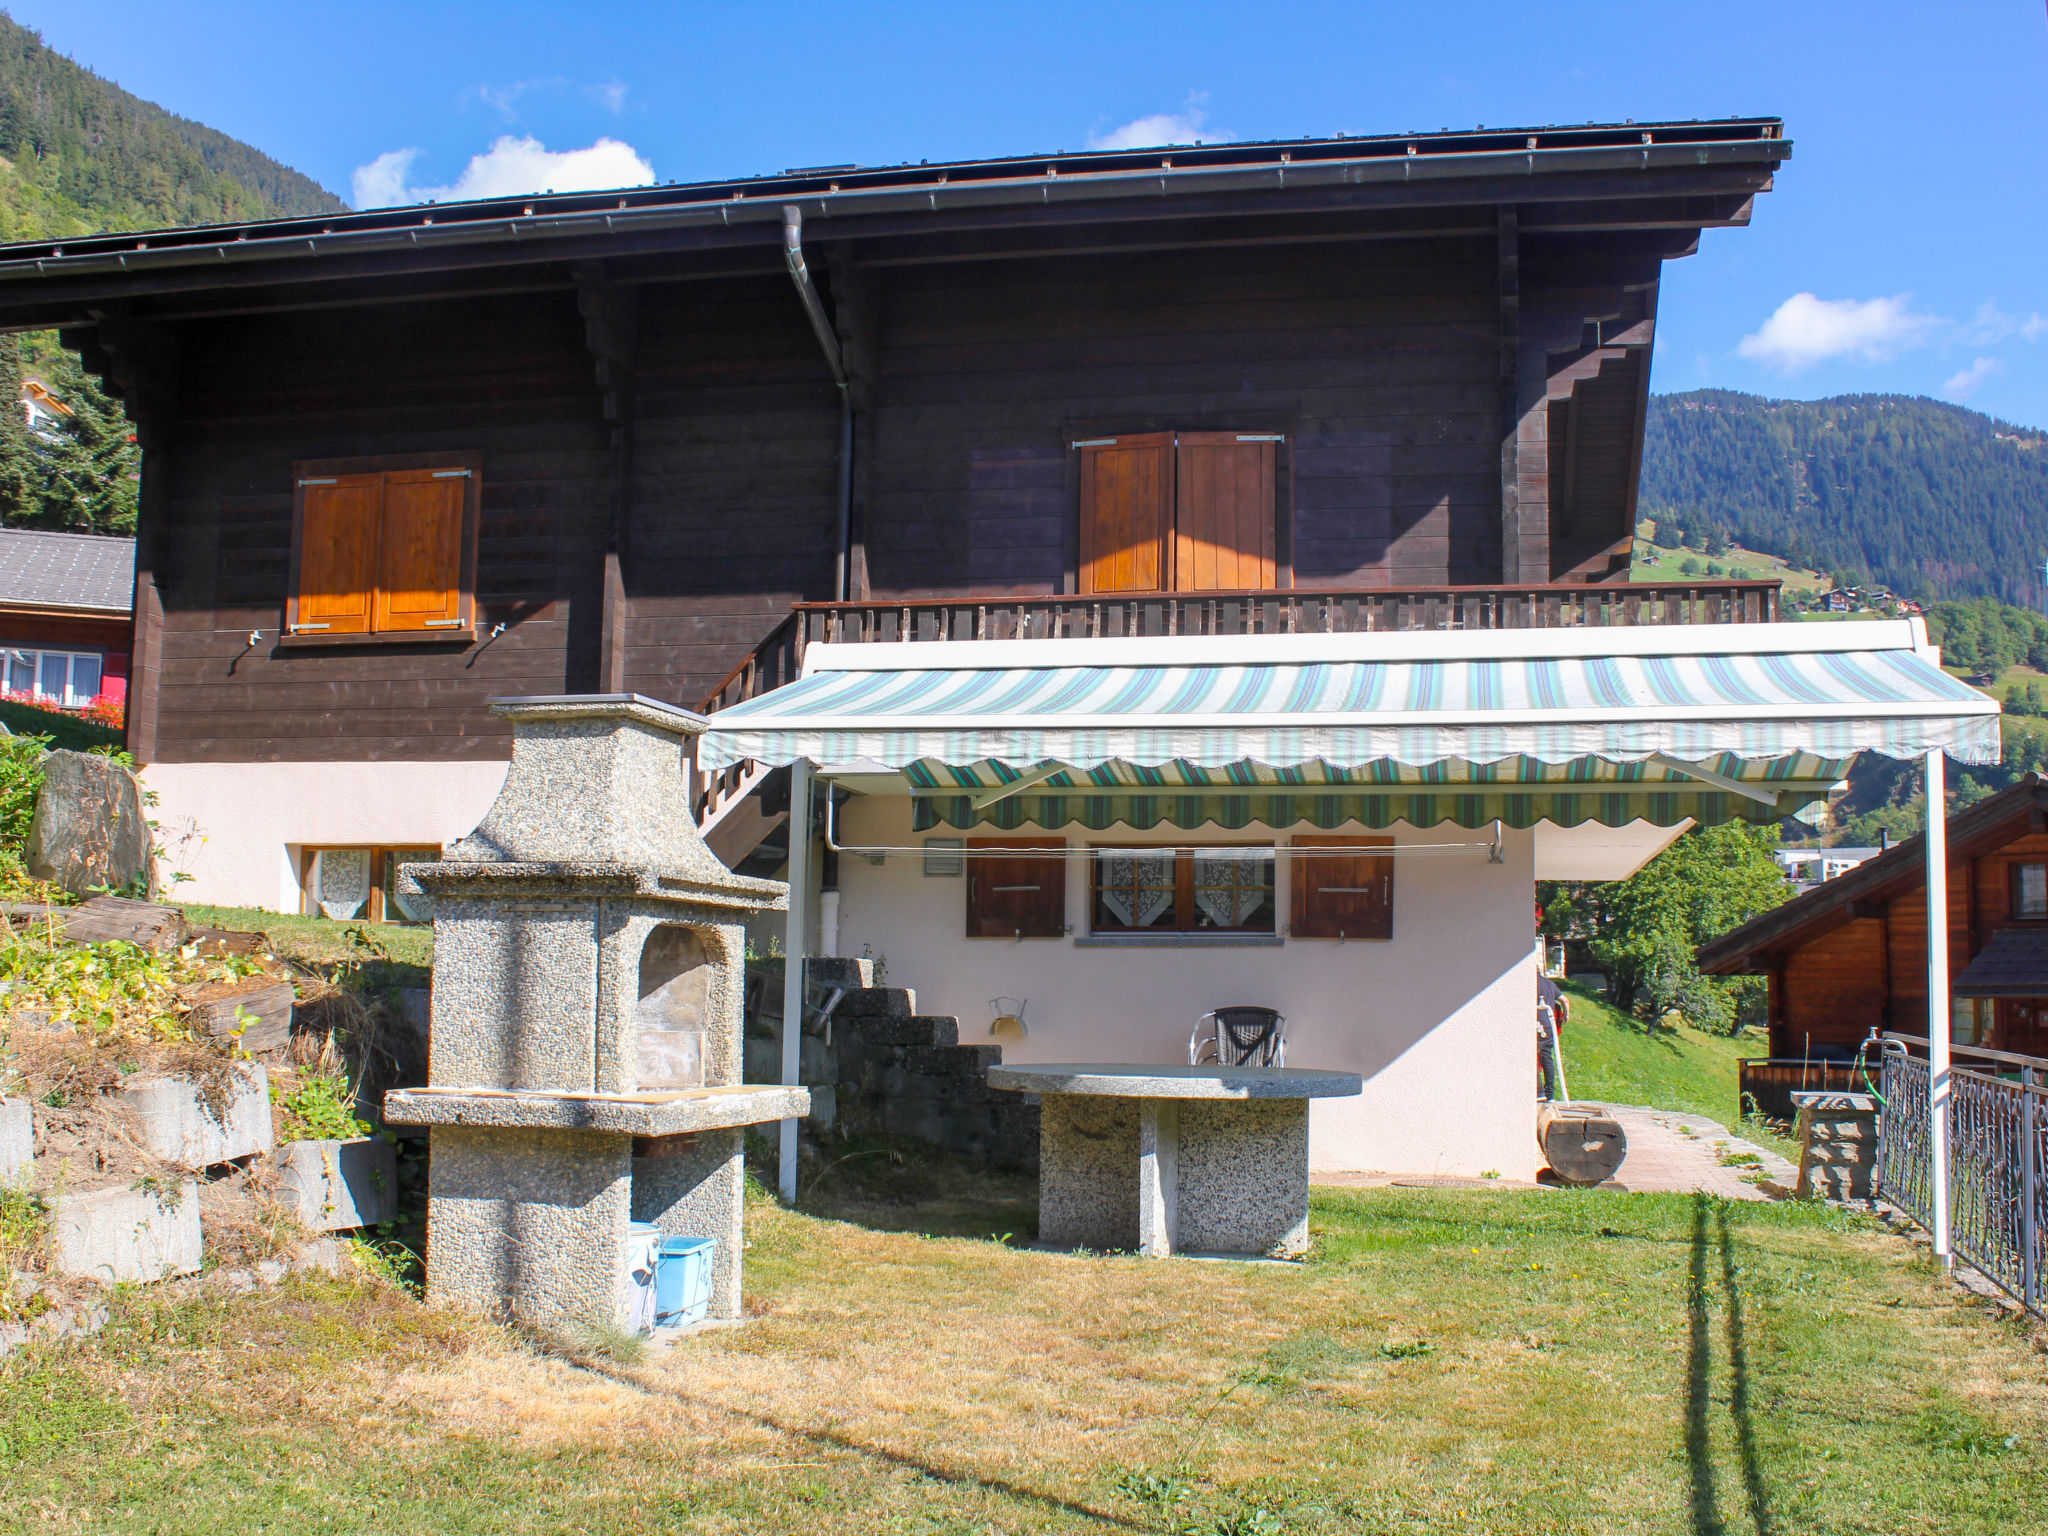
{"x": 83, "y": 155}
{"x": 1925, "y": 497}
{"x": 77, "y": 155}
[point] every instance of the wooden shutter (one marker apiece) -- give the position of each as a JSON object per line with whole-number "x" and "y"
{"x": 337, "y": 554}
{"x": 1126, "y": 513}
{"x": 419, "y": 578}
{"x": 1343, "y": 895}
{"x": 1013, "y": 894}
{"x": 1224, "y": 520}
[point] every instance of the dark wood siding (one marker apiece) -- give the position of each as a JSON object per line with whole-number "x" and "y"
{"x": 1381, "y": 358}
{"x": 1832, "y": 991}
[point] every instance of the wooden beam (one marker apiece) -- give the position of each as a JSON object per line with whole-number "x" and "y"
{"x": 857, "y": 318}
{"x": 611, "y": 330}
{"x": 1508, "y": 255}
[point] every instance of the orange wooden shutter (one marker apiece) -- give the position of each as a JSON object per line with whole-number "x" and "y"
{"x": 1223, "y": 524}
{"x": 1342, "y": 896}
{"x": 338, "y": 519}
{"x": 1126, "y": 513}
{"x": 1012, "y": 894}
{"x": 419, "y": 581}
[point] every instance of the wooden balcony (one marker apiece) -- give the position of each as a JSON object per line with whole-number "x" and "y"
{"x": 1295, "y": 611}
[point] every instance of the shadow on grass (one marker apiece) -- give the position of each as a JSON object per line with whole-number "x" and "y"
{"x": 1710, "y": 1230}
{"x": 831, "y": 1439}
{"x": 894, "y": 1184}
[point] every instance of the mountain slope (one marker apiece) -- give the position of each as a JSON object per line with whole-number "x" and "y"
{"x": 81, "y": 154}
{"x": 1923, "y": 496}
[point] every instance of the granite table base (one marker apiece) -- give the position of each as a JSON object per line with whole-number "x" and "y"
{"x": 1167, "y": 1160}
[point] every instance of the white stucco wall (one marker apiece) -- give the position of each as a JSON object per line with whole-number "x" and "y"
{"x": 236, "y": 828}
{"x": 1440, "y": 1020}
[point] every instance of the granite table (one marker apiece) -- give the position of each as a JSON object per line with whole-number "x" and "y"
{"x": 1168, "y": 1159}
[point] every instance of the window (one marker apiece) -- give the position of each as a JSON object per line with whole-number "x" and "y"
{"x": 1181, "y": 511}
{"x": 2030, "y": 890}
{"x": 1342, "y": 888}
{"x": 345, "y": 883}
{"x": 384, "y": 548}
{"x": 1016, "y": 887}
{"x": 70, "y": 678}
{"x": 1181, "y": 890}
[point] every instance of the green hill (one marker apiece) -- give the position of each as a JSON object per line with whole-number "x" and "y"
{"x": 1928, "y": 498}
{"x": 78, "y": 155}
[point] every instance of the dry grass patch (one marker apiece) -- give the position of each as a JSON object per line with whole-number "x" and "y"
{"x": 1447, "y": 1361}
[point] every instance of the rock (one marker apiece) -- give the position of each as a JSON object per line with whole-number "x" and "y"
{"x": 336, "y": 1186}
{"x": 259, "y": 1006}
{"x": 224, "y": 941}
{"x": 199, "y": 1124}
{"x": 106, "y": 918}
{"x": 114, "y": 1235}
{"x": 17, "y": 1139}
{"x": 89, "y": 831}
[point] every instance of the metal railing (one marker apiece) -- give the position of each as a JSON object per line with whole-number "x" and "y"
{"x": 1998, "y": 1151}
{"x": 778, "y": 659}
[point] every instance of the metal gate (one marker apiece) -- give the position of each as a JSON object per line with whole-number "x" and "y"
{"x": 1998, "y": 1149}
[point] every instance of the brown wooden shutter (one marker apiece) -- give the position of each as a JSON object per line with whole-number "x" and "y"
{"x": 419, "y": 581}
{"x": 1343, "y": 896}
{"x": 1012, "y": 894}
{"x": 337, "y": 554}
{"x": 1126, "y": 513}
{"x": 1224, "y": 520}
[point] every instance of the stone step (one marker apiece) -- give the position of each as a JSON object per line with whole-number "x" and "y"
{"x": 198, "y": 1124}
{"x": 137, "y": 1235}
{"x": 877, "y": 1003}
{"x": 915, "y": 1029}
{"x": 337, "y": 1186}
{"x": 17, "y": 1138}
{"x": 853, "y": 975}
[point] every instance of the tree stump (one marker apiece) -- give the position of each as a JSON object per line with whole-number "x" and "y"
{"x": 1582, "y": 1144}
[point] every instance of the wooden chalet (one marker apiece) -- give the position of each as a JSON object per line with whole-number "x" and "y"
{"x": 1850, "y": 956}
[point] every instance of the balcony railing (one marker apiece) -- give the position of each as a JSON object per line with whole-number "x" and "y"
{"x": 778, "y": 659}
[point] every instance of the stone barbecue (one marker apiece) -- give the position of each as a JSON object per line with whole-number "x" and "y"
{"x": 584, "y": 1066}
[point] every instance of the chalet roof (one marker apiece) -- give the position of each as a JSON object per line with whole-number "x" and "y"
{"x": 2013, "y": 964}
{"x": 1517, "y": 165}
{"x": 82, "y": 571}
{"x": 1853, "y": 894}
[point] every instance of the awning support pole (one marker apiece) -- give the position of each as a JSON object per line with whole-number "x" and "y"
{"x": 1938, "y": 1002}
{"x": 796, "y": 937}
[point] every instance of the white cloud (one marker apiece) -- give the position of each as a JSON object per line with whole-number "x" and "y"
{"x": 1994, "y": 324}
{"x": 1187, "y": 126}
{"x": 1805, "y": 330}
{"x": 509, "y": 167}
{"x": 1962, "y": 385}
{"x": 611, "y": 95}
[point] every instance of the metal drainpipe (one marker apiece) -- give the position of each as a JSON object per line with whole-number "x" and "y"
{"x": 828, "y": 340}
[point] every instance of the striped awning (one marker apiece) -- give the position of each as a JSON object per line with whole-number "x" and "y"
{"x": 1465, "y": 725}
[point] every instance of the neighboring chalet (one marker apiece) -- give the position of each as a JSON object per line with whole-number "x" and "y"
{"x": 1247, "y": 527}
{"x": 1851, "y": 956}
{"x": 65, "y": 628}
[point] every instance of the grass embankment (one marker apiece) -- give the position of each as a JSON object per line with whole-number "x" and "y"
{"x": 1568, "y": 1362}
{"x": 1616, "y": 1059}
{"x": 320, "y": 940}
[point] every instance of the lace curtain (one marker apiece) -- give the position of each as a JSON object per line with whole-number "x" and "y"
{"x": 1231, "y": 887}
{"x": 1137, "y": 888}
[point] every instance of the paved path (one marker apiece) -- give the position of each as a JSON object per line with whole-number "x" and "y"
{"x": 1668, "y": 1152}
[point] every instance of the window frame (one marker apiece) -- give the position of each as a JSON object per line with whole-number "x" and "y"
{"x": 71, "y": 654}
{"x": 2014, "y": 877}
{"x": 464, "y": 632}
{"x": 1185, "y": 908}
{"x": 374, "y": 906}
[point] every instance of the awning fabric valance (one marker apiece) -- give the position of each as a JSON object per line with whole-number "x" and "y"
{"x": 1748, "y": 694}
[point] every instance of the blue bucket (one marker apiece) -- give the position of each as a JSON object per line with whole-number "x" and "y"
{"x": 682, "y": 1281}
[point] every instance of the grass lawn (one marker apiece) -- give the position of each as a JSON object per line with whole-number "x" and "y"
{"x": 320, "y": 940}
{"x": 1508, "y": 1362}
{"x": 1612, "y": 1057}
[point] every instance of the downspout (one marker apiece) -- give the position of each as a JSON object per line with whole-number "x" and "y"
{"x": 828, "y": 340}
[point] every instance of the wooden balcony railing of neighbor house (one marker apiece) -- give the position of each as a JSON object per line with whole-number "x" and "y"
{"x": 778, "y": 659}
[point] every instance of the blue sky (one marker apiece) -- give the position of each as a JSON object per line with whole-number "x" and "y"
{"x": 1905, "y": 248}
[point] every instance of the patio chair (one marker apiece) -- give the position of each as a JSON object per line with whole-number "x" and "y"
{"x": 1239, "y": 1037}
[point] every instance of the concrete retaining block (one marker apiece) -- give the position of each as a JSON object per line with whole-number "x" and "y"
{"x": 335, "y": 1186}
{"x": 190, "y": 1124}
{"x": 17, "y": 1139}
{"x": 113, "y": 1235}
